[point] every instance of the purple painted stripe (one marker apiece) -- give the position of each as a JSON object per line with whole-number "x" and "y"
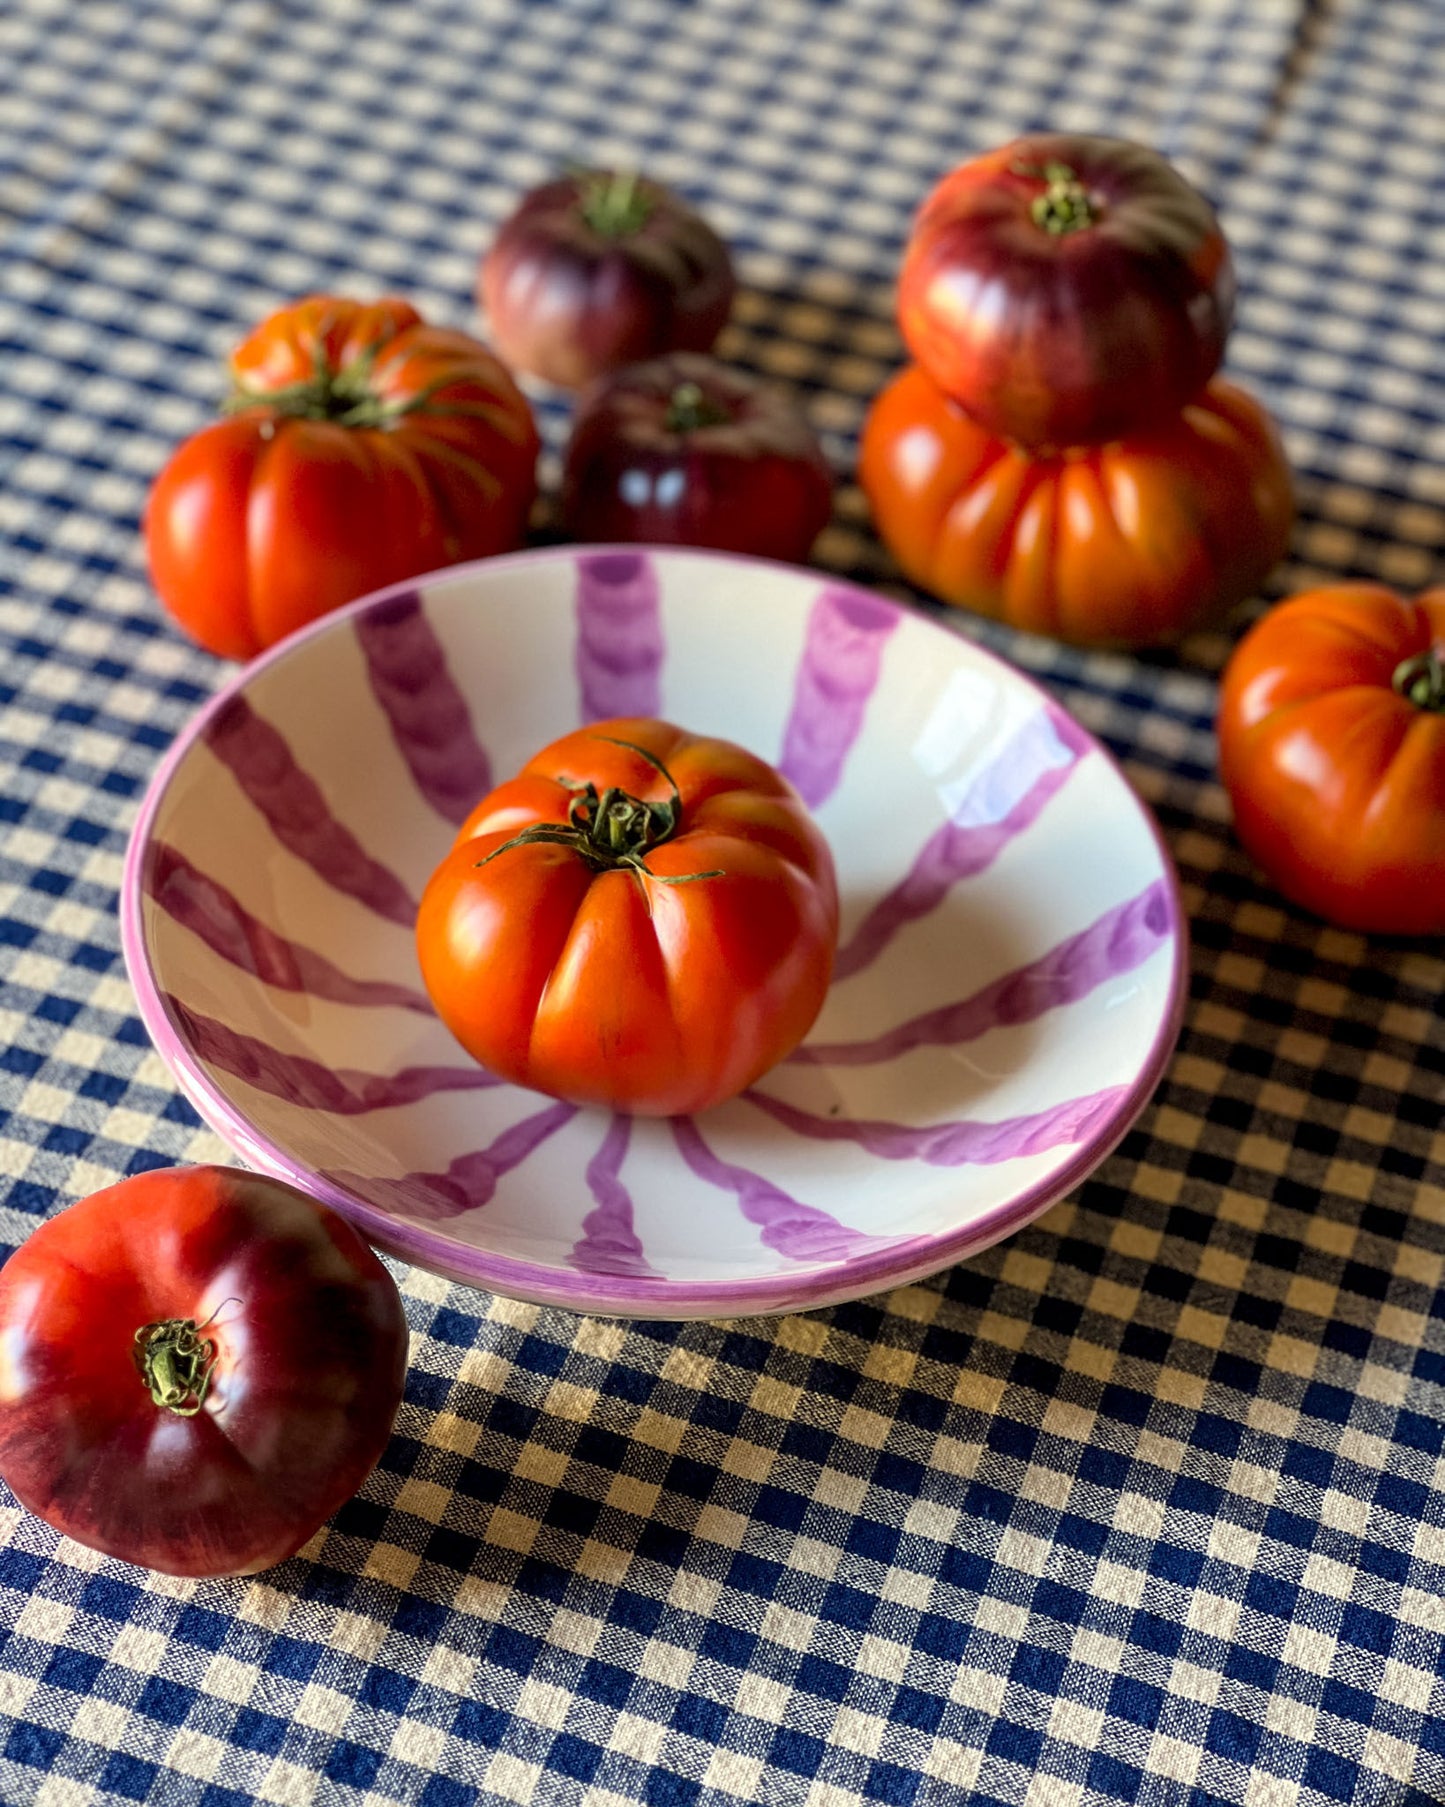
{"x": 298, "y": 815}
{"x": 429, "y": 717}
{"x": 609, "y": 1244}
{"x": 842, "y": 656}
{"x": 619, "y": 635}
{"x": 964, "y": 1142}
{"x": 1000, "y": 803}
{"x": 205, "y": 907}
{"x": 471, "y": 1179}
{"x": 799, "y": 1231}
{"x": 308, "y": 1083}
{"x": 1120, "y": 940}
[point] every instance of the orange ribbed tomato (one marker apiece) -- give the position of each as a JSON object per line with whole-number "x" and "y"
{"x": 364, "y": 447}
{"x": 642, "y": 918}
{"x": 1128, "y": 543}
{"x": 1332, "y": 748}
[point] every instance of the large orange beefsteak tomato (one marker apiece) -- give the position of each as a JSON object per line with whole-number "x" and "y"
{"x": 1129, "y": 543}
{"x": 364, "y": 447}
{"x": 1332, "y": 748}
{"x": 642, "y": 918}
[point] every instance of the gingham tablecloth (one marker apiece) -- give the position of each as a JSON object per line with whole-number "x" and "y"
{"x": 1145, "y": 1505}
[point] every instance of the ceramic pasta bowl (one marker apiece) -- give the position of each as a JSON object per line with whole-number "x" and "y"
{"x": 1007, "y": 990}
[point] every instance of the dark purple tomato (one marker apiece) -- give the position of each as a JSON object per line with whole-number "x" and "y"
{"x": 686, "y": 451}
{"x": 1067, "y": 290}
{"x": 201, "y": 1366}
{"x": 599, "y": 269}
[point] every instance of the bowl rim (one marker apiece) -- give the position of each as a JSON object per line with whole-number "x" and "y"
{"x": 804, "y": 1288}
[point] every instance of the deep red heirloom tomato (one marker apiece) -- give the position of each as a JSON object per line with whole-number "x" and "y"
{"x": 599, "y": 269}
{"x": 365, "y": 447}
{"x": 686, "y": 451}
{"x": 1067, "y": 288}
{"x": 1332, "y": 748}
{"x": 1131, "y": 543}
{"x": 200, "y": 1366}
{"x": 642, "y": 918}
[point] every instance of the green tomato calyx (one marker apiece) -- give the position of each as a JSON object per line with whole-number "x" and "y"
{"x": 1420, "y": 679}
{"x": 346, "y": 397}
{"x": 690, "y": 407}
{"x": 612, "y": 828}
{"x": 1065, "y": 204}
{"x": 612, "y": 203}
{"x": 175, "y": 1363}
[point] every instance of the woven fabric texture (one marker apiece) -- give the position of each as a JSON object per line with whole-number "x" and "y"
{"x": 1145, "y": 1505}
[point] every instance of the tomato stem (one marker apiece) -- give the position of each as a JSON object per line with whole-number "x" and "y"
{"x": 342, "y": 396}
{"x": 1065, "y": 204}
{"x": 612, "y": 203}
{"x": 689, "y": 408}
{"x": 1420, "y": 679}
{"x": 612, "y": 828}
{"x": 175, "y": 1363}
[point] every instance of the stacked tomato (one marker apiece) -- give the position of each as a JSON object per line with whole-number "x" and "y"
{"x": 1063, "y": 455}
{"x": 609, "y": 283}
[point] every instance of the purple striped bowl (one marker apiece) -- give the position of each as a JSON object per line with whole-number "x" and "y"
{"x": 1009, "y": 979}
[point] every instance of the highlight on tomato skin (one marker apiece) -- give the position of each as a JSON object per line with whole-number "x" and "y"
{"x": 1331, "y": 737}
{"x": 201, "y": 1365}
{"x": 643, "y": 919}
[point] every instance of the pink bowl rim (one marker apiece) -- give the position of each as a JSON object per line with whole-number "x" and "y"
{"x": 851, "y": 1277}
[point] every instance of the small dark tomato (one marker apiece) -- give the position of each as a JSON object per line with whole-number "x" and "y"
{"x": 599, "y": 269}
{"x": 686, "y": 451}
{"x": 1067, "y": 289}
